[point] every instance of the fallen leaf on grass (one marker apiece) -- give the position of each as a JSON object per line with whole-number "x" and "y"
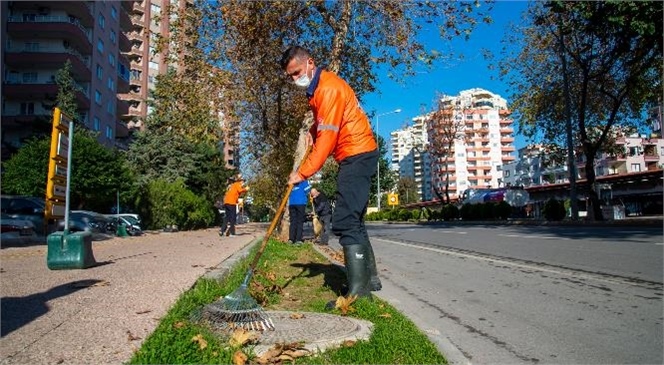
{"x": 385, "y": 315}
{"x": 348, "y": 343}
{"x": 241, "y": 336}
{"x": 239, "y": 358}
{"x": 202, "y": 344}
{"x": 296, "y": 315}
{"x": 344, "y": 304}
{"x": 272, "y": 277}
{"x": 131, "y": 337}
{"x": 179, "y": 324}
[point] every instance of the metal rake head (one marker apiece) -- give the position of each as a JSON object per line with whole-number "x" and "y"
{"x": 237, "y": 309}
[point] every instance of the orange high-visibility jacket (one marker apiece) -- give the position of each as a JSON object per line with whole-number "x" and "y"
{"x": 340, "y": 125}
{"x": 233, "y": 193}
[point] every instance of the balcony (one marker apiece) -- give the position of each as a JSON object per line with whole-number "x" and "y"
{"x": 124, "y": 43}
{"x": 22, "y": 120}
{"x": 507, "y": 158}
{"x": 121, "y": 129}
{"x": 127, "y": 5}
{"x": 137, "y": 8}
{"x": 135, "y": 53}
{"x": 121, "y": 107}
{"x": 651, "y": 157}
{"x": 18, "y": 90}
{"x": 506, "y": 130}
{"x": 504, "y": 113}
{"x": 138, "y": 21}
{"x": 507, "y": 139}
{"x": 136, "y": 37}
{"x": 49, "y": 58}
{"x": 507, "y": 148}
{"x": 126, "y": 21}
{"x": 51, "y": 27}
{"x": 78, "y": 9}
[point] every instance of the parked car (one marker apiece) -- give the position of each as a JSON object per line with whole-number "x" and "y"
{"x": 97, "y": 224}
{"x": 16, "y": 231}
{"x": 132, "y": 224}
{"x": 28, "y": 208}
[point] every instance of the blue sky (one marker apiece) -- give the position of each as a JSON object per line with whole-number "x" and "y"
{"x": 448, "y": 78}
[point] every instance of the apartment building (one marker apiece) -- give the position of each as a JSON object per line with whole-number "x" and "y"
{"x": 637, "y": 152}
{"x": 476, "y": 159}
{"x": 38, "y": 38}
{"x": 410, "y": 157}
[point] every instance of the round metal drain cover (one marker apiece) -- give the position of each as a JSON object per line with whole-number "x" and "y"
{"x": 317, "y": 330}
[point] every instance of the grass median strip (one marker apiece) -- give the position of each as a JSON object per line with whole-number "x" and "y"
{"x": 291, "y": 278}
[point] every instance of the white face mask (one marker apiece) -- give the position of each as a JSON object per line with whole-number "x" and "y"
{"x": 304, "y": 80}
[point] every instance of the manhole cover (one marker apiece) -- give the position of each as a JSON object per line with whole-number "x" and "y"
{"x": 317, "y": 330}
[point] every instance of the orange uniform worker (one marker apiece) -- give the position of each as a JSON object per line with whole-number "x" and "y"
{"x": 230, "y": 205}
{"x": 342, "y": 129}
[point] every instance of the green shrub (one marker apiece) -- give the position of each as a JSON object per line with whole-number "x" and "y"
{"x": 426, "y": 214}
{"x": 502, "y": 210}
{"x": 554, "y": 210}
{"x": 415, "y": 214}
{"x": 403, "y": 215}
{"x": 449, "y": 212}
{"x": 392, "y": 215}
{"x": 167, "y": 204}
{"x": 466, "y": 212}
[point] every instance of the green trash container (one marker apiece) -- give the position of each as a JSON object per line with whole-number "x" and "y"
{"x": 70, "y": 251}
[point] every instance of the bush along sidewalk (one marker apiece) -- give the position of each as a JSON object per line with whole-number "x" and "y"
{"x": 291, "y": 278}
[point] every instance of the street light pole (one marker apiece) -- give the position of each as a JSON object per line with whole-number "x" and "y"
{"x": 380, "y": 156}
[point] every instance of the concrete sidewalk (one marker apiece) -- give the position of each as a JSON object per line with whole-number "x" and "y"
{"x": 101, "y": 315}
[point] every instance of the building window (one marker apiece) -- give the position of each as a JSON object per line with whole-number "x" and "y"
{"x": 27, "y": 108}
{"x": 100, "y": 46}
{"x": 111, "y": 59}
{"x": 109, "y": 132}
{"x": 97, "y": 97}
{"x": 113, "y": 36}
{"x": 154, "y": 65}
{"x": 110, "y": 108}
{"x": 100, "y": 72}
{"x": 102, "y": 21}
{"x": 636, "y": 167}
{"x": 507, "y": 173}
{"x": 29, "y": 77}
{"x": 110, "y": 84}
{"x": 114, "y": 13}
{"x": 96, "y": 124}
{"x": 155, "y": 9}
{"x": 31, "y": 46}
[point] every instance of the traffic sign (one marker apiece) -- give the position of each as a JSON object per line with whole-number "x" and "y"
{"x": 393, "y": 199}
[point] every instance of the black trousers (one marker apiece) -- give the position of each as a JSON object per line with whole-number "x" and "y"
{"x": 325, "y": 221}
{"x": 353, "y": 185}
{"x": 296, "y": 213}
{"x": 230, "y": 218}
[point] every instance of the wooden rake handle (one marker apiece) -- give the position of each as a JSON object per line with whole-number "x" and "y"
{"x": 275, "y": 220}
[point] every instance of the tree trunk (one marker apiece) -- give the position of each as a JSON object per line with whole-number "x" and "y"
{"x": 596, "y": 213}
{"x": 447, "y": 185}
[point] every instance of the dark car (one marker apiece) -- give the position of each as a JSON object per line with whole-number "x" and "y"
{"x": 28, "y": 208}
{"x": 16, "y": 231}
{"x": 97, "y": 224}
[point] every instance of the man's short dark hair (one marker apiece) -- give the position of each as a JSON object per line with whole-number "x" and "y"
{"x": 292, "y": 53}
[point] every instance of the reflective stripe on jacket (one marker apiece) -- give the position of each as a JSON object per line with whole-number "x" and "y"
{"x": 233, "y": 193}
{"x": 340, "y": 125}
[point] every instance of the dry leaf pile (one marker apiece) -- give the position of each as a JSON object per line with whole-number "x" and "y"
{"x": 241, "y": 337}
{"x": 283, "y": 352}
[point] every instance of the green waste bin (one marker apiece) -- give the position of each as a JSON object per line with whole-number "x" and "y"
{"x": 69, "y": 251}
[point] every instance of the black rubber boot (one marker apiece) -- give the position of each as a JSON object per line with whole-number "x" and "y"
{"x": 374, "y": 280}
{"x": 357, "y": 272}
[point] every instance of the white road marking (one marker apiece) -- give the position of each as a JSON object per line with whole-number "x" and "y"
{"x": 566, "y": 272}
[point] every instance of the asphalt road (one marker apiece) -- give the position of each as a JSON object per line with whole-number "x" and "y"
{"x": 528, "y": 294}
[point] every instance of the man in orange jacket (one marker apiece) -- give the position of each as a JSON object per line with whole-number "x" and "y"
{"x": 230, "y": 205}
{"x": 340, "y": 129}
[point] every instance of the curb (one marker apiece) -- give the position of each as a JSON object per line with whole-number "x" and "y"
{"x": 224, "y": 268}
{"x": 608, "y": 223}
